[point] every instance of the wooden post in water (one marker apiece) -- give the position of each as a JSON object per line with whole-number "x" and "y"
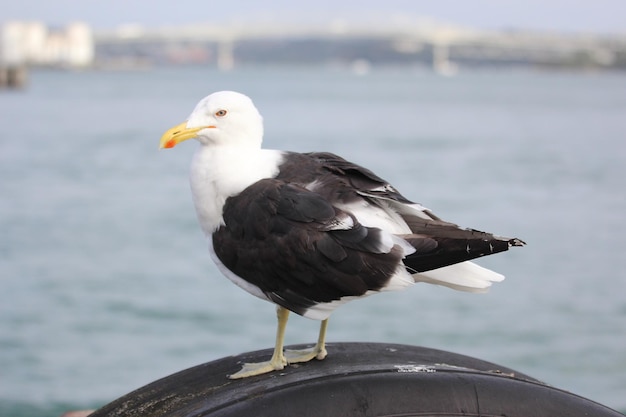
{"x": 13, "y": 76}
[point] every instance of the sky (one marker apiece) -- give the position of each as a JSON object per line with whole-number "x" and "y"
{"x": 596, "y": 16}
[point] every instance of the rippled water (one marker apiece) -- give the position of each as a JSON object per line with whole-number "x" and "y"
{"x": 106, "y": 285}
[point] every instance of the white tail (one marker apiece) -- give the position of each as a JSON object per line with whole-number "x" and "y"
{"x": 464, "y": 276}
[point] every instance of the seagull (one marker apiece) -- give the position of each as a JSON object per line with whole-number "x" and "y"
{"x": 312, "y": 231}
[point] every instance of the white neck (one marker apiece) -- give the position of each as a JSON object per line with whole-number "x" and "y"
{"x": 219, "y": 172}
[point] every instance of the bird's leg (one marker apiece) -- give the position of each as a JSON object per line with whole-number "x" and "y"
{"x": 318, "y": 351}
{"x": 278, "y": 361}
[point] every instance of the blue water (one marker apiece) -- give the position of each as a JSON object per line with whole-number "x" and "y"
{"x": 105, "y": 283}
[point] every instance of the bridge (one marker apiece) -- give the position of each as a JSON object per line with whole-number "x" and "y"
{"x": 446, "y": 42}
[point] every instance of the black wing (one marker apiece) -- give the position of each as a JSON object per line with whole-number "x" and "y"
{"x": 438, "y": 243}
{"x": 336, "y": 178}
{"x": 299, "y": 249}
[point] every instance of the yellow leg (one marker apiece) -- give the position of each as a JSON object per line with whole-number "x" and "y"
{"x": 278, "y": 361}
{"x": 318, "y": 351}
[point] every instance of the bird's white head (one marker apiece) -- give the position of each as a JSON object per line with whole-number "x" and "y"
{"x": 225, "y": 118}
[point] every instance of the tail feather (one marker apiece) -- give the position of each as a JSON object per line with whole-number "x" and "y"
{"x": 464, "y": 276}
{"x": 443, "y": 251}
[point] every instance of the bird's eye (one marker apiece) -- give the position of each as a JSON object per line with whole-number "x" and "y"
{"x": 221, "y": 113}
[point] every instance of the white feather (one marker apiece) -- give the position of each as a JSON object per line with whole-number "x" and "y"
{"x": 381, "y": 217}
{"x": 464, "y": 276}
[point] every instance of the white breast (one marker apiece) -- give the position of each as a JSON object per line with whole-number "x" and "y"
{"x": 221, "y": 172}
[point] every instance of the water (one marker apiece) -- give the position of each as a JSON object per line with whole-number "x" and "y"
{"x": 106, "y": 284}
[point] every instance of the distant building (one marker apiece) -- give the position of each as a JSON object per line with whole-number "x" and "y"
{"x": 34, "y": 44}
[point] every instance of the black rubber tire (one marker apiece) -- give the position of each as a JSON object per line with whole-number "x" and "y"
{"x": 356, "y": 379}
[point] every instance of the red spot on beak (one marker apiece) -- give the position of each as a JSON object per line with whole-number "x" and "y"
{"x": 170, "y": 143}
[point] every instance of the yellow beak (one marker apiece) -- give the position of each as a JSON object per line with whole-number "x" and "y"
{"x": 178, "y": 134}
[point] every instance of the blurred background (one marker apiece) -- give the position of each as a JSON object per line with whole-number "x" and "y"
{"x": 508, "y": 117}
